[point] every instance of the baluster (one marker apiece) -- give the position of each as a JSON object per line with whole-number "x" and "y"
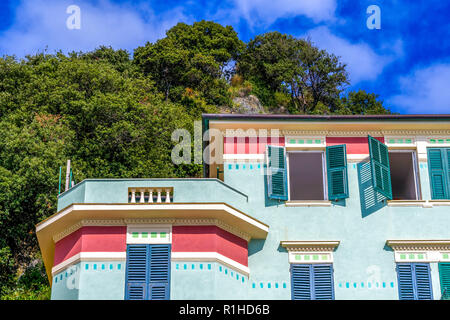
{"x": 142, "y": 196}
{"x": 158, "y": 200}
{"x": 167, "y": 195}
{"x": 150, "y": 196}
{"x": 133, "y": 196}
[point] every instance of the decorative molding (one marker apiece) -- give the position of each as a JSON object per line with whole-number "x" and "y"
{"x": 89, "y": 256}
{"x": 310, "y": 257}
{"x": 298, "y": 133}
{"x": 419, "y": 245}
{"x": 305, "y": 141}
{"x": 250, "y": 133}
{"x": 171, "y": 221}
{"x": 90, "y": 222}
{"x": 149, "y": 234}
{"x": 360, "y": 133}
{"x": 310, "y": 246}
{"x": 337, "y": 133}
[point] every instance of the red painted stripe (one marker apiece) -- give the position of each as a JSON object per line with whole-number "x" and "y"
{"x": 249, "y": 145}
{"x": 91, "y": 239}
{"x": 355, "y": 145}
{"x": 209, "y": 239}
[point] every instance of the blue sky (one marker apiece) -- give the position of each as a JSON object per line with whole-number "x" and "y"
{"x": 406, "y": 62}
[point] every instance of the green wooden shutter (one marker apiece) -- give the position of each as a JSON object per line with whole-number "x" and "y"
{"x": 379, "y": 163}
{"x": 337, "y": 172}
{"x": 444, "y": 276}
{"x": 276, "y": 173}
{"x": 437, "y": 159}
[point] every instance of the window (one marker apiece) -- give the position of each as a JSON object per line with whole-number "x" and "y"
{"x": 312, "y": 282}
{"x": 148, "y": 272}
{"x": 439, "y": 170}
{"x": 403, "y": 170}
{"x": 306, "y": 175}
{"x": 414, "y": 281}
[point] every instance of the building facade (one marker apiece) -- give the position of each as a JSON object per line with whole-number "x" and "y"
{"x": 290, "y": 207}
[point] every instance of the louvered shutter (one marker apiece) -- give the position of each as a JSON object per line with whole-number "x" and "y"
{"x": 379, "y": 162}
{"x": 312, "y": 282}
{"x": 159, "y": 278}
{"x": 444, "y": 277}
{"x": 301, "y": 288}
{"x": 438, "y": 179}
{"x": 414, "y": 281}
{"x": 136, "y": 272}
{"x": 337, "y": 172}
{"x": 323, "y": 288}
{"x": 405, "y": 281}
{"x": 423, "y": 281}
{"x": 276, "y": 173}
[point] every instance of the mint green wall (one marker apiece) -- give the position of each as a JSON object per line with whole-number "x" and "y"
{"x": 101, "y": 280}
{"x": 65, "y": 284}
{"x": 205, "y": 281}
{"x": 362, "y": 259}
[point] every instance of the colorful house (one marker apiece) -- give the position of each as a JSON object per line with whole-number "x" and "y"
{"x": 290, "y": 207}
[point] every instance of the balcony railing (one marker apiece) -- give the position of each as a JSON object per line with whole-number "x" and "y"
{"x": 188, "y": 190}
{"x": 150, "y": 195}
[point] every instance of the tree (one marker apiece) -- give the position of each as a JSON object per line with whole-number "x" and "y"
{"x": 361, "y": 102}
{"x": 191, "y": 56}
{"x": 295, "y": 67}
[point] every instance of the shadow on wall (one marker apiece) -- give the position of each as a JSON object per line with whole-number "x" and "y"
{"x": 269, "y": 202}
{"x": 371, "y": 200}
{"x": 255, "y": 245}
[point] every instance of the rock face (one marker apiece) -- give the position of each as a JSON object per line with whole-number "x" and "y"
{"x": 248, "y": 104}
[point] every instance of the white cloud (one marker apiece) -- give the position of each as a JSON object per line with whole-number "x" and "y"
{"x": 266, "y": 12}
{"x": 39, "y": 24}
{"x": 424, "y": 90}
{"x": 363, "y": 63}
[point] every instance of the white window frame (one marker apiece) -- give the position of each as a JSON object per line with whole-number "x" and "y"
{"x": 324, "y": 173}
{"x": 415, "y": 169}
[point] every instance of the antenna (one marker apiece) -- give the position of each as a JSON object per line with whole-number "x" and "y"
{"x": 67, "y": 175}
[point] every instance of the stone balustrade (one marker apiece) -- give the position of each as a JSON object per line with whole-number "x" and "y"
{"x": 150, "y": 195}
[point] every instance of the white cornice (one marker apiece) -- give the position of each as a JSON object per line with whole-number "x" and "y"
{"x": 171, "y": 221}
{"x": 414, "y": 245}
{"x": 309, "y": 246}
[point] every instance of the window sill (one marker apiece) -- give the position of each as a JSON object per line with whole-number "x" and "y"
{"x": 418, "y": 203}
{"x": 308, "y": 203}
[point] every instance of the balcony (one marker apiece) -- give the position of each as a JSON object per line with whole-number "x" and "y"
{"x": 152, "y": 191}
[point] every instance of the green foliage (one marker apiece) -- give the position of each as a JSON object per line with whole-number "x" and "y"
{"x": 192, "y": 56}
{"x": 361, "y": 102}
